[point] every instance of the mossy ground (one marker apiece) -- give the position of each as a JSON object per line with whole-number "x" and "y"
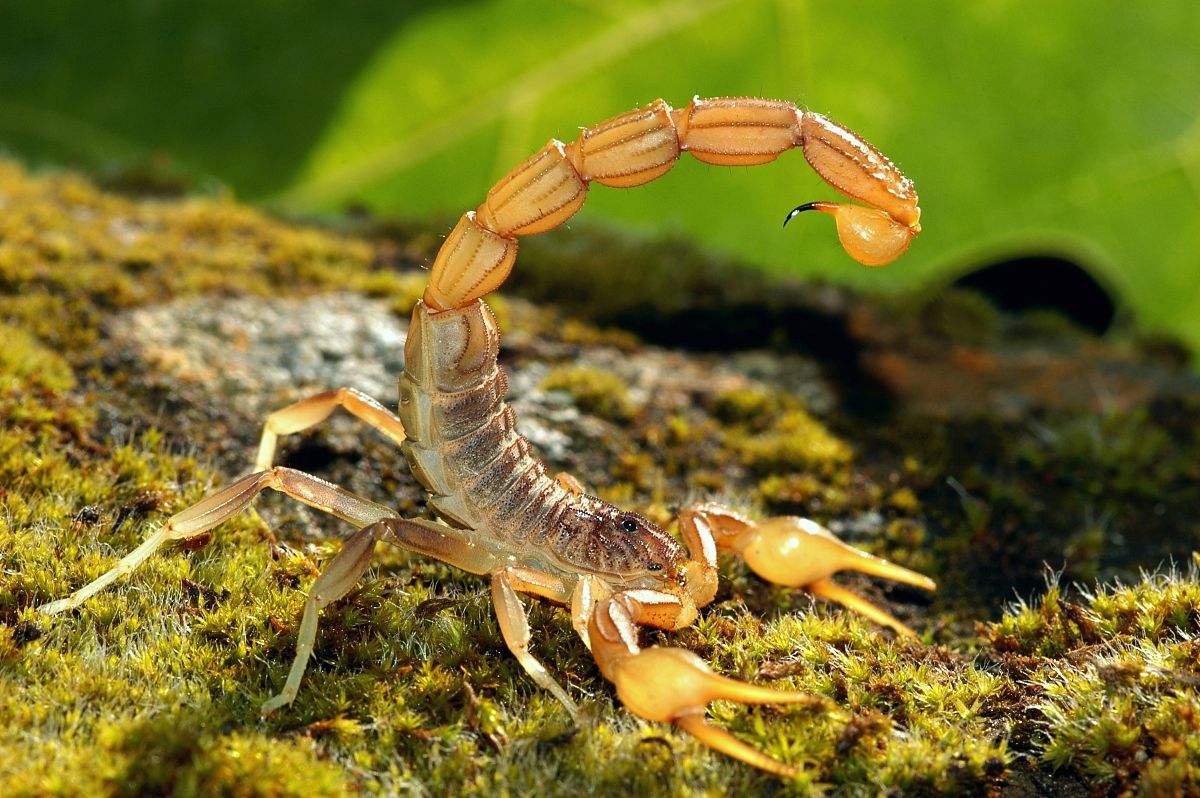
{"x": 153, "y": 687}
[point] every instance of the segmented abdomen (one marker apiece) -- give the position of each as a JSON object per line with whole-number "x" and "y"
{"x": 462, "y": 440}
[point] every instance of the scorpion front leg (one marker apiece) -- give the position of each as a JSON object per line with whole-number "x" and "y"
{"x": 514, "y": 625}
{"x": 795, "y": 552}
{"x": 672, "y": 685}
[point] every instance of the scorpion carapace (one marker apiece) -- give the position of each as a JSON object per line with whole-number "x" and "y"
{"x": 500, "y": 512}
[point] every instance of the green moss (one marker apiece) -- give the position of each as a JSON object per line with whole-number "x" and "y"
{"x": 801, "y": 492}
{"x": 24, "y": 360}
{"x": 1155, "y": 610}
{"x": 70, "y": 253}
{"x": 574, "y": 331}
{"x": 153, "y": 687}
{"x": 745, "y": 405}
{"x": 796, "y": 441}
{"x": 1115, "y": 680}
{"x": 173, "y": 756}
{"x": 1095, "y": 495}
{"x": 1043, "y": 324}
{"x": 772, "y": 434}
{"x": 594, "y": 390}
{"x": 610, "y": 276}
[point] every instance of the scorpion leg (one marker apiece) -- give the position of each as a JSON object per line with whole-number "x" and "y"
{"x": 796, "y": 552}
{"x": 345, "y": 569}
{"x": 223, "y": 505}
{"x": 589, "y": 591}
{"x": 673, "y": 684}
{"x": 514, "y": 625}
{"x": 315, "y": 409}
{"x": 441, "y": 543}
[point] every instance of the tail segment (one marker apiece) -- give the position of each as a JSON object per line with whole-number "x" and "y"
{"x": 639, "y": 146}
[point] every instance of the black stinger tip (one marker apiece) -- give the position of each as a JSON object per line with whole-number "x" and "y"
{"x": 799, "y": 209}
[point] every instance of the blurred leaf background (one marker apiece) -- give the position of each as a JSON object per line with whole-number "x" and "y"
{"x": 1066, "y": 129}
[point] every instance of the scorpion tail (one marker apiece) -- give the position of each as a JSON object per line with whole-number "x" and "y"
{"x": 639, "y": 146}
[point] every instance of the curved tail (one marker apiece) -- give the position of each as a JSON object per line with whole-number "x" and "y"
{"x": 638, "y": 146}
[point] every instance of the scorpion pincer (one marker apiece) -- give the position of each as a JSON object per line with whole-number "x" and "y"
{"x": 501, "y": 514}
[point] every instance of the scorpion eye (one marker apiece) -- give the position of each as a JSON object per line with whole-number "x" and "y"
{"x": 653, "y": 567}
{"x": 629, "y": 525}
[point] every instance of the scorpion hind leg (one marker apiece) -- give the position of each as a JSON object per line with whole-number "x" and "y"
{"x": 673, "y": 685}
{"x": 350, "y": 563}
{"x": 343, "y": 571}
{"x": 312, "y": 411}
{"x": 216, "y": 508}
{"x": 797, "y": 552}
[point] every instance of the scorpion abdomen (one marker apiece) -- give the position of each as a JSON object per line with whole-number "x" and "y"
{"x": 462, "y": 444}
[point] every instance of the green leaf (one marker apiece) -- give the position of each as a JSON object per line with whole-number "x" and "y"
{"x": 237, "y": 90}
{"x": 1061, "y": 129}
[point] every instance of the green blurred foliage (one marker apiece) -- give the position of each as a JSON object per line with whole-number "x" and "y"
{"x": 1062, "y": 128}
{"x": 239, "y": 90}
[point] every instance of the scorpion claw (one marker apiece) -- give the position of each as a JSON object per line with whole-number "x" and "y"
{"x": 674, "y": 685}
{"x": 718, "y": 739}
{"x": 798, "y": 552}
{"x": 832, "y": 591}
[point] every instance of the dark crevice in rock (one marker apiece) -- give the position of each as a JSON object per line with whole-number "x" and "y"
{"x": 1045, "y": 282}
{"x": 822, "y": 335}
{"x": 311, "y": 455}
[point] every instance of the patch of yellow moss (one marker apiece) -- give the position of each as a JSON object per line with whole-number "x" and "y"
{"x": 573, "y": 331}
{"x": 1116, "y": 680}
{"x": 70, "y": 253}
{"x": 795, "y": 441}
{"x": 594, "y": 390}
{"x": 773, "y": 434}
{"x": 24, "y": 360}
{"x": 746, "y": 405}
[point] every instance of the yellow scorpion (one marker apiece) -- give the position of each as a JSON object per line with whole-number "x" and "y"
{"x": 502, "y": 514}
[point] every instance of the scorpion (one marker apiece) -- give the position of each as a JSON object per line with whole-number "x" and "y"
{"x": 499, "y": 511}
